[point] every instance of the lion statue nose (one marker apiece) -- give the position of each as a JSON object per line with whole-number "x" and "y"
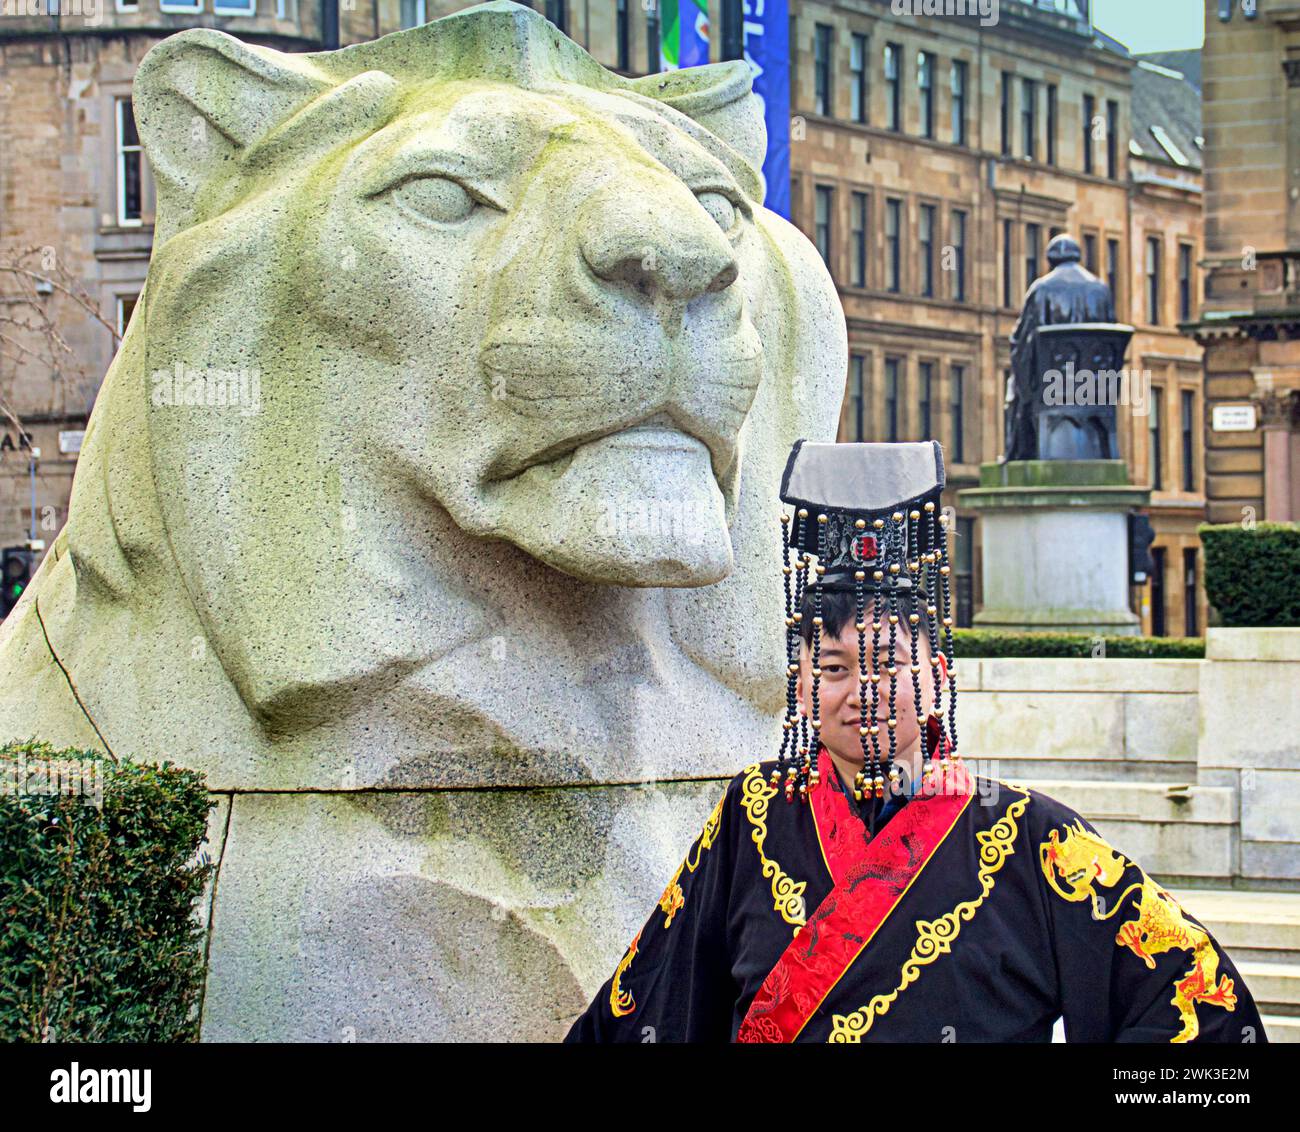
{"x": 664, "y": 245}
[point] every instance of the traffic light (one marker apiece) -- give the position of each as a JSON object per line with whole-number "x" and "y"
{"x": 16, "y": 571}
{"x": 1140, "y": 537}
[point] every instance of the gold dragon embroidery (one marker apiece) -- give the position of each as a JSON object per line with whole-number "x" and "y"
{"x": 1084, "y": 861}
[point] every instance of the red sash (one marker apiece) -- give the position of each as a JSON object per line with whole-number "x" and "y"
{"x": 870, "y": 880}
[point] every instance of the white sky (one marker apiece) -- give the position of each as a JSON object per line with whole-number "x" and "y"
{"x": 1154, "y": 25}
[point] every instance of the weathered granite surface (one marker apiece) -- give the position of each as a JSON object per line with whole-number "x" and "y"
{"x": 500, "y": 359}
{"x": 449, "y": 915}
{"x": 442, "y": 452}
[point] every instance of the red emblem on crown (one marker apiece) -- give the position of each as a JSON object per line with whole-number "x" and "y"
{"x": 865, "y": 548}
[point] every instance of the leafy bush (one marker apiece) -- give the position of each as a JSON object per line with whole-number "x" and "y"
{"x": 1251, "y": 574}
{"x": 98, "y": 938}
{"x": 996, "y": 643}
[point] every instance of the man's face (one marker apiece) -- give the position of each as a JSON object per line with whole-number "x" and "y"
{"x": 840, "y": 690}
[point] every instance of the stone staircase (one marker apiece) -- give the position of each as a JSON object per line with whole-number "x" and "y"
{"x": 1117, "y": 741}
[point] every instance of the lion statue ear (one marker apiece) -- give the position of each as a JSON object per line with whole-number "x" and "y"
{"x": 202, "y": 96}
{"x": 720, "y": 97}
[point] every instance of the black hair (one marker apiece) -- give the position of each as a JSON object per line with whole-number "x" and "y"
{"x": 839, "y": 610}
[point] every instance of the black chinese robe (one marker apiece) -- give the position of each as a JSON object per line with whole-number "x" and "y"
{"x": 980, "y": 911}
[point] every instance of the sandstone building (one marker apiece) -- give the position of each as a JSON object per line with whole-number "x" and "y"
{"x": 932, "y": 160}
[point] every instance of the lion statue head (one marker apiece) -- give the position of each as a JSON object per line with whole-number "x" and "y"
{"x": 445, "y": 440}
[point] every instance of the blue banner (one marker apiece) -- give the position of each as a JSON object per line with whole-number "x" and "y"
{"x": 684, "y": 42}
{"x": 693, "y": 18}
{"x": 767, "y": 51}
{"x": 683, "y": 33}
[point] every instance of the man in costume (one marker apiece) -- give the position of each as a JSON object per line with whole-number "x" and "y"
{"x": 865, "y": 885}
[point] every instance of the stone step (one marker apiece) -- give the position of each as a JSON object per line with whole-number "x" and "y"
{"x": 1274, "y": 986}
{"x": 1251, "y": 926}
{"x": 1018, "y": 768}
{"x": 1169, "y": 828}
{"x": 1281, "y": 1029}
{"x": 1107, "y": 800}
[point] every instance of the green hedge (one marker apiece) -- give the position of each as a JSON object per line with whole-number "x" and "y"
{"x": 994, "y": 643}
{"x": 98, "y": 937}
{"x": 1251, "y": 574}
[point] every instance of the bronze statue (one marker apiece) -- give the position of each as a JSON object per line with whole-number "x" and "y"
{"x": 1068, "y": 294}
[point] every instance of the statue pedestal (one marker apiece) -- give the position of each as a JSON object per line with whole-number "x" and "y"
{"x": 1055, "y": 545}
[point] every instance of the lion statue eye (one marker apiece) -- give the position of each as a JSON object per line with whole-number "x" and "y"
{"x": 436, "y": 198}
{"x": 719, "y": 207}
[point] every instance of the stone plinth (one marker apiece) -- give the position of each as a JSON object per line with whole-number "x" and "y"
{"x": 1250, "y": 739}
{"x": 1055, "y": 545}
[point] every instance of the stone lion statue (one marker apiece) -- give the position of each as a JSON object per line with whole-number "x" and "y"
{"x": 443, "y": 450}
{"x": 448, "y": 426}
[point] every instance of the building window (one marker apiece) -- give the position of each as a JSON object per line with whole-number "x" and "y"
{"x": 125, "y": 309}
{"x": 822, "y": 69}
{"x": 234, "y": 7}
{"x": 1090, "y": 252}
{"x": 857, "y": 398}
{"x": 959, "y": 256}
{"x": 825, "y": 197}
{"x": 180, "y": 6}
{"x": 859, "y": 52}
{"x": 1188, "y": 409}
{"x": 963, "y": 558}
{"x": 1006, "y": 112}
{"x": 1155, "y": 441}
{"x": 1089, "y": 112}
{"x": 960, "y": 79}
{"x": 1008, "y": 287}
{"x": 1112, "y": 139}
{"x": 925, "y": 237}
{"x": 893, "y": 244}
{"x": 1033, "y": 252}
{"x": 1189, "y": 591}
{"x": 1006, "y": 384}
{"x": 957, "y": 413}
{"x": 1051, "y": 124}
{"x": 858, "y": 237}
{"x": 925, "y": 376}
{"x": 925, "y": 88}
{"x": 557, "y": 11}
{"x": 1028, "y": 117}
{"x": 413, "y": 13}
{"x": 1112, "y": 271}
{"x": 127, "y": 5}
{"x": 1153, "y": 280}
{"x": 653, "y": 62}
{"x": 130, "y": 171}
{"x": 893, "y": 87}
{"x": 1158, "y": 628}
{"x": 891, "y": 399}
{"x": 1184, "y": 282}
{"x": 623, "y": 34}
